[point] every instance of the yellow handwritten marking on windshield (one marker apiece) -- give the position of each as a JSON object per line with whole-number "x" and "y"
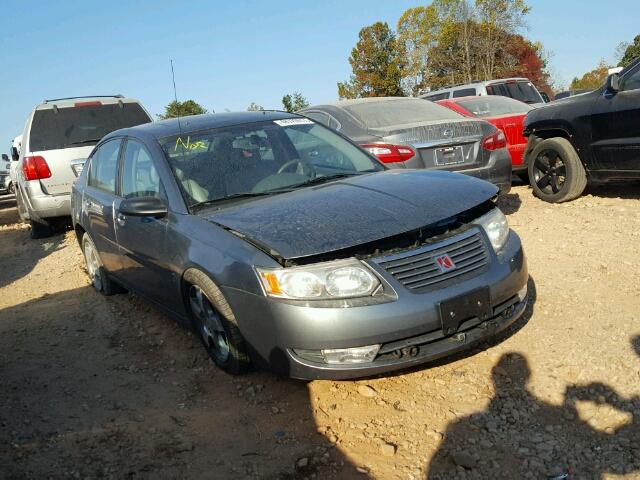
{"x": 189, "y": 145}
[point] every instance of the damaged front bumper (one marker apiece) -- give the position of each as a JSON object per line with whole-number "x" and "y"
{"x": 289, "y": 338}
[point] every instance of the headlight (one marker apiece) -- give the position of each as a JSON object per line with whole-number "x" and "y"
{"x": 496, "y": 226}
{"x": 338, "y": 279}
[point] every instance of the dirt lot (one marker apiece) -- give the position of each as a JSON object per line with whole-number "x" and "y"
{"x": 95, "y": 387}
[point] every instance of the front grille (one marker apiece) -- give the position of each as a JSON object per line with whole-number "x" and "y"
{"x": 418, "y": 270}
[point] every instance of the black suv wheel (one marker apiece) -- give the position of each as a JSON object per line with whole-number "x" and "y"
{"x": 555, "y": 171}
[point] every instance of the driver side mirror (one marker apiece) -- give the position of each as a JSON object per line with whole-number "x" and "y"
{"x": 613, "y": 83}
{"x": 15, "y": 155}
{"x": 143, "y": 207}
{"x": 5, "y": 157}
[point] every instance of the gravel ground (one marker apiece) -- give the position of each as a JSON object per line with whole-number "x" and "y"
{"x": 96, "y": 387}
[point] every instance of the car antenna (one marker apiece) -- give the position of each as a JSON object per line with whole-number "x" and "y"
{"x": 175, "y": 95}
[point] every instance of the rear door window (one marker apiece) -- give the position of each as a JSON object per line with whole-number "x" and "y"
{"x": 81, "y": 125}
{"x": 104, "y": 166}
{"x": 437, "y": 96}
{"x": 464, "y": 92}
{"x": 520, "y": 90}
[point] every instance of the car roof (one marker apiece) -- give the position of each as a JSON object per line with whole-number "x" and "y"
{"x": 194, "y": 123}
{"x": 71, "y": 101}
{"x": 482, "y": 83}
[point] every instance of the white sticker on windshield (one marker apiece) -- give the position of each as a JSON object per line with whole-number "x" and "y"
{"x": 287, "y": 122}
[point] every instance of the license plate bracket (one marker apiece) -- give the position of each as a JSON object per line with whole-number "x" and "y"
{"x": 463, "y": 307}
{"x": 449, "y": 155}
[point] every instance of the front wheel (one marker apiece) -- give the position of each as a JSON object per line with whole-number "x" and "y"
{"x": 213, "y": 319}
{"x": 555, "y": 171}
{"x": 97, "y": 273}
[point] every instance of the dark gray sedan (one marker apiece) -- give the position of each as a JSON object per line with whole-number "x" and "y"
{"x": 287, "y": 246}
{"x": 417, "y": 133}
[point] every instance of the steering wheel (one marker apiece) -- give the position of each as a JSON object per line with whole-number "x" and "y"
{"x": 302, "y": 167}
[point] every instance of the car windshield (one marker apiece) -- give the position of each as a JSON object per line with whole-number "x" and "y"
{"x": 259, "y": 159}
{"x": 67, "y": 127}
{"x": 493, "y": 106}
{"x": 399, "y": 111}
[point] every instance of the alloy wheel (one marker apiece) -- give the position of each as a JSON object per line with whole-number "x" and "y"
{"x": 549, "y": 171}
{"x": 210, "y": 324}
{"x": 93, "y": 264}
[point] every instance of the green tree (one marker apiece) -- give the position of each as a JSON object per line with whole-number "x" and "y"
{"x": 417, "y": 34}
{"x": 631, "y": 52}
{"x": 182, "y": 109}
{"x": 497, "y": 17}
{"x": 376, "y": 65}
{"x": 593, "y": 79}
{"x": 254, "y": 107}
{"x": 292, "y": 102}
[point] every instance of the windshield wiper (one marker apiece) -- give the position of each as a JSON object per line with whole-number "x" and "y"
{"x": 82, "y": 142}
{"x": 231, "y": 197}
{"x": 317, "y": 181}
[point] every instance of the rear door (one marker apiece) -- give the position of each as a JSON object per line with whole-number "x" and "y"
{"x": 615, "y": 127}
{"x": 143, "y": 240}
{"x": 66, "y": 132}
{"x": 99, "y": 200}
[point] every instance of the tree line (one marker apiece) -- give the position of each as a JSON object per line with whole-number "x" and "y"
{"x": 444, "y": 43}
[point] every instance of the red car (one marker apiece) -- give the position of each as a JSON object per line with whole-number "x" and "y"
{"x": 505, "y": 113}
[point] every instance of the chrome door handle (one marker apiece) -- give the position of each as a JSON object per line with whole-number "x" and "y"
{"x": 121, "y": 219}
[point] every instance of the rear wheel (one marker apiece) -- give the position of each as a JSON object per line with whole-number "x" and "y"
{"x": 213, "y": 319}
{"x": 555, "y": 171}
{"x": 40, "y": 228}
{"x": 12, "y": 188}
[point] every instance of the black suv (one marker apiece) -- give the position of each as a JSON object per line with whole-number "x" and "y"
{"x": 591, "y": 137}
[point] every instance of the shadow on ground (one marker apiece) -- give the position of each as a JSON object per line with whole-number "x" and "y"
{"x": 520, "y": 435}
{"x": 627, "y": 190}
{"x": 95, "y": 387}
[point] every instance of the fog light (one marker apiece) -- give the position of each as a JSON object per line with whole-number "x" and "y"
{"x": 351, "y": 355}
{"x": 522, "y": 294}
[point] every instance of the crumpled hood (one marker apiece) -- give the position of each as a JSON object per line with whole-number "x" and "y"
{"x": 353, "y": 211}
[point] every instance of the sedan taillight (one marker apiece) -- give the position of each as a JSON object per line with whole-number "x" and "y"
{"x": 494, "y": 141}
{"x": 388, "y": 153}
{"x": 35, "y": 168}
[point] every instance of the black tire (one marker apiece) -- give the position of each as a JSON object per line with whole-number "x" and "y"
{"x": 233, "y": 357}
{"x": 555, "y": 171}
{"x": 98, "y": 275}
{"x": 40, "y": 228}
{"x": 12, "y": 188}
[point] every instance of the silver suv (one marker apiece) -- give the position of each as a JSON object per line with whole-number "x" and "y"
{"x": 519, "y": 88}
{"x": 58, "y": 137}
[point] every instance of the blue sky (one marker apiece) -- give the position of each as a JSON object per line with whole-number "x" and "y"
{"x": 228, "y": 54}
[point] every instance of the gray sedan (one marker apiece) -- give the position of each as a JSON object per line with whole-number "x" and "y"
{"x": 417, "y": 133}
{"x": 286, "y": 246}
